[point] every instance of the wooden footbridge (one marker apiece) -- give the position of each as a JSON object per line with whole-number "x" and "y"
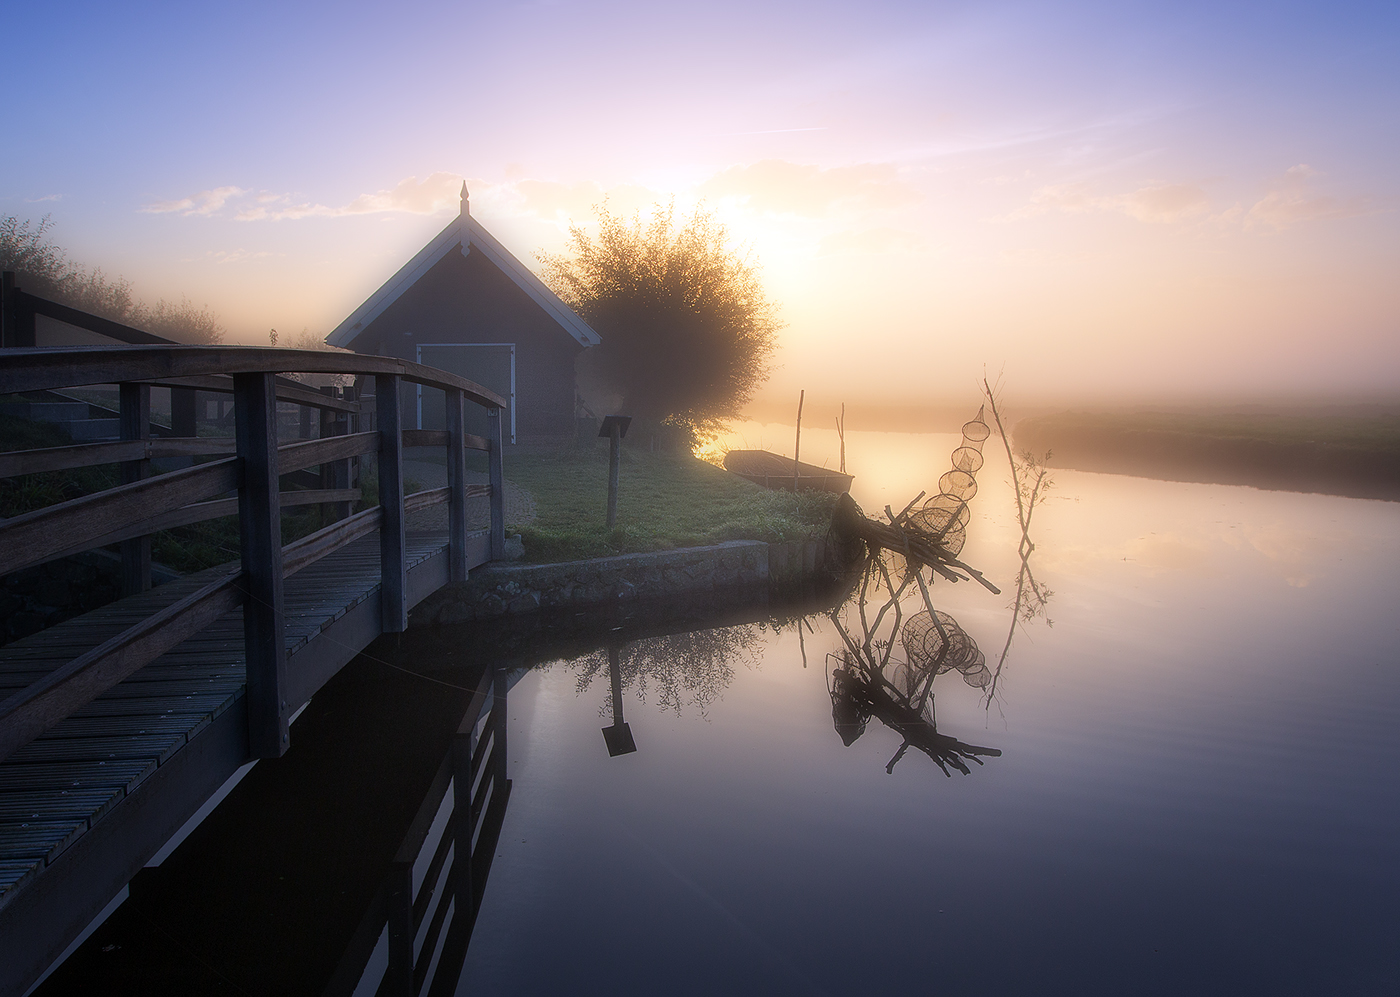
{"x": 117, "y": 725}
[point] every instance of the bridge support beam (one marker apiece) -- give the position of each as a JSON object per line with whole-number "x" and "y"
{"x": 388, "y": 413}
{"x": 498, "y": 485}
{"x": 135, "y": 424}
{"x": 457, "y": 479}
{"x": 260, "y": 523}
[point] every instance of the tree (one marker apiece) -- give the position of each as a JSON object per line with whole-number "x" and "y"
{"x": 44, "y": 269}
{"x": 687, "y": 331}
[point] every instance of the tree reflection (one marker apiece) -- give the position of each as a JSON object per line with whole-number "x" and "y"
{"x": 689, "y": 670}
{"x": 1030, "y": 480}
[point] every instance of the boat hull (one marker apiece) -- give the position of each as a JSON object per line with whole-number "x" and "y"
{"x": 775, "y": 471}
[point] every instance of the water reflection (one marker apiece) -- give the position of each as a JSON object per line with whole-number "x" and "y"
{"x": 675, "y": 670}
{"x": 414, "y": 936}
{"x": 864, "y": 678}
{"x": 618, "y": 736}
{"x": 1030, "y": 481}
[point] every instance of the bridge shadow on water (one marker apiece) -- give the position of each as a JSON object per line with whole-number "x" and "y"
{"x": 334, "y": 871}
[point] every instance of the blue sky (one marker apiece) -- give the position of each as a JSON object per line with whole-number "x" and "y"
{"x": 1122, "y": 200}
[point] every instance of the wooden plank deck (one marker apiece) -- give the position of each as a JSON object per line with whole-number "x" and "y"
{"x": 66, "y": 784}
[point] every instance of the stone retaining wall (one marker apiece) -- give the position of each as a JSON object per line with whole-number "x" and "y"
{"x": 499, "y": 588}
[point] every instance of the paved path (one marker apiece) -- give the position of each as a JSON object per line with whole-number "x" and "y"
{"x": 520, "y": 504}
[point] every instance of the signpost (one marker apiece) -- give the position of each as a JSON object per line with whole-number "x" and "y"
{"x": 614, "y": 428}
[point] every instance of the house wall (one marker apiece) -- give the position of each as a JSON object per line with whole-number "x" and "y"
{"x": 467, "y": 299}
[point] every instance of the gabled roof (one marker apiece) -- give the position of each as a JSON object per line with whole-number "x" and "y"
{"x": 466, "y": 233}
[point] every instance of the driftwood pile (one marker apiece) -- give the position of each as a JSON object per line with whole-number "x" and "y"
{"x": 905, "y": 537}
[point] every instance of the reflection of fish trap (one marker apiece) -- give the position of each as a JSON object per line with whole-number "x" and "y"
{"x": 927, "y": 648}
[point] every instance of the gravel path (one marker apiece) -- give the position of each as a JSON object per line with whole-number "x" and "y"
{"x": 520, "y": 504}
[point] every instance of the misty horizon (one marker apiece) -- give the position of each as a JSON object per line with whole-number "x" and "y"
{"x": 1184, "y": 206}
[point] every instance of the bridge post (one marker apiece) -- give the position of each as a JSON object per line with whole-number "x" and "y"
{"x": 7, "y": 308}
{"x": 134, "y": 423}
{"x": 464, "y": 747}
{"x": 260, "y": 524}
{"x": 498, "y": 485}
{"x": 457, "y": 478}
{"x": 393, "y": 564}
{"x": 18, "y": 322}
{"x": 398, "y": 978}
{"x": 184, "y": 412}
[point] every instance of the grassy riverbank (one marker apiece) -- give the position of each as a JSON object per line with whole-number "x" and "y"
{"x": 664, "y": 501}
{"x": 1354, "y": 454}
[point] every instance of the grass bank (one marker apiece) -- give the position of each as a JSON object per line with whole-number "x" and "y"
{"x": 1351, "y": 455}
{"x": 665, "y": 501}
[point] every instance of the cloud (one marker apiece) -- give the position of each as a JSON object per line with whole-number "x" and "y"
{"x": 1159, "y": 204}
{"x": 46, "y": 197}
{"x": 870, "y": 241}
{"x": 780, "y": 187}
{"x": 438, "y": 192}
{"x": 1165, "y": 204}
{"x": 770, "y": 186}
{"x": 206, "y": 202}
{"x": 1291, "y": 200}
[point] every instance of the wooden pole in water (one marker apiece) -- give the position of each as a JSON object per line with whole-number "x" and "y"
{"x": 797, "y": 444}
{"x": 841, "y": 432}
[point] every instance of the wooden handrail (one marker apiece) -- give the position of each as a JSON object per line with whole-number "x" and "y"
{"x": 287, "y": 391}
{"x": 442, "y": 438}
{"x": 307, "y": 550}
{"x": 18, "y": 462}
{"x": 202, "y": 512}
{"x": 294, "y": 456}
{"x": 31, "y": 369}
{"x": 426, "y": 499}
{"x": 94, "y": 323}
{"x": 290, "y": 457}
{"x": 133, "y": 510}
{"x": 38, "y": 536}
{"x": 426, "y": 438}
{"x": 37, "y": 707}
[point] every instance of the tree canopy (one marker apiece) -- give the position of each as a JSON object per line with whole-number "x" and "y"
{"x": 44, "y": 269}
{"x": 687, "y": 331}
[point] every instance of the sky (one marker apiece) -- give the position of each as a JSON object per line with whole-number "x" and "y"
{"x": 1116, "y": 202}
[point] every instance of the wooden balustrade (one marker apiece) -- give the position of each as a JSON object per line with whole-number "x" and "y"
{"x": 145, "y": 503}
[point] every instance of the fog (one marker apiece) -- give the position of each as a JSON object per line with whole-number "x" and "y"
{"x": 1179, "y": 206}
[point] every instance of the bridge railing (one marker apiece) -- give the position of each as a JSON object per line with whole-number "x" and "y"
{"x": 143, "y": 504}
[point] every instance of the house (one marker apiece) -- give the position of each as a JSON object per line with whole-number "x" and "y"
{"x": 466, "y": 305}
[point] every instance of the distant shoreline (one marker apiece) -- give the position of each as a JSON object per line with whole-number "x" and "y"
{"x": 1353, "y": 457}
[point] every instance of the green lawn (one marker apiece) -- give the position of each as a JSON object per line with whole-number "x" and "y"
{"x": 664, "y": 501}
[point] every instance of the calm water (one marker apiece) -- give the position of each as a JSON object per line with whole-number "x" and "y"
{"x": 1196, "y": 792}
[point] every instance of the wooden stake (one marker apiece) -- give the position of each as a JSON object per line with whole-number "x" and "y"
{"x": 841, "y": 432}
{"x": 797, "y": 445}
